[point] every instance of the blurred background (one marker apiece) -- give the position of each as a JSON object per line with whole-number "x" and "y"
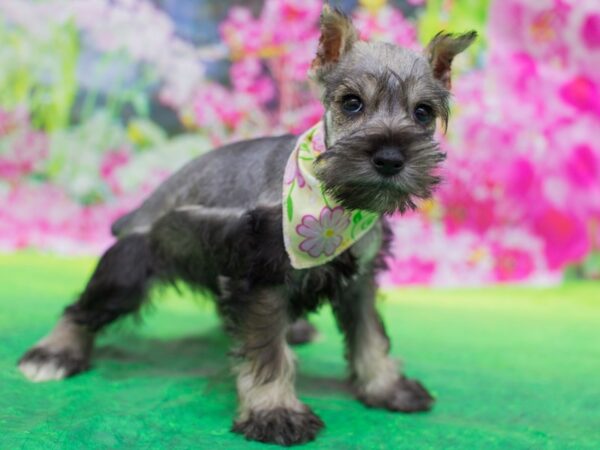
{"x": 100, "y": 100}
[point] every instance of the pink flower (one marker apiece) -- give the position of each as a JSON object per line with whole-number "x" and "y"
{"x": 27, "y": 149}
{"x": 517, "y": 25}
{"x": 214, "y": 104}
{"x": 583, "y": 166}
{"x": 590, "y": 31}
{"x": 318, "y": 140}
{"x": 292, "y": 172}
{"x": 520, "y": 178}
{"x": 42, "y": 216}
{"x": 323, "y": 235}
{"x": 582, "y": 93}
{"x": 110, "y": 164}
{"x": 386, "y": 24}
{"x": 565, "y": 237}
{"x": 464, "y": 211}
{"x": 413, "y": 270}
{"x": 303, "y": 117}
{"x": 511, "y": 264}
{"x": 7, "y": 122}
{"x": 247, "y": 77}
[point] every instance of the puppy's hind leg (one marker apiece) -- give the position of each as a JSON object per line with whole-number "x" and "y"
{"x": 181, "y": 244}
{"x": 117, "y": 287}
{"x": 301, "y": 332}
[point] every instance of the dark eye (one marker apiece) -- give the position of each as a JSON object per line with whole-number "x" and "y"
{"x": 352, "y": 104}
{"x": 423, "y": 114}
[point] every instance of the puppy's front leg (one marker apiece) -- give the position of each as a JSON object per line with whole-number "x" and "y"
{"x": 269, "y": 410}
{"x": 375, "y": 375}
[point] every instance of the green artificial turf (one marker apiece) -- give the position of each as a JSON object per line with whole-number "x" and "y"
{"x": 512, "y": 368}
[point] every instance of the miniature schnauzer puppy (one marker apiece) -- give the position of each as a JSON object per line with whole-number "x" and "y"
{"x": 216, "y": 224}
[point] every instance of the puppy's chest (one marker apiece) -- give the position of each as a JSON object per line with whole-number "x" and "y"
{"x": 368, "y": 247}
{"x": 309, "y": 288}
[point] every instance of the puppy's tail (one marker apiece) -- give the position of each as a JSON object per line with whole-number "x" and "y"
{"x": 121, "y": 224}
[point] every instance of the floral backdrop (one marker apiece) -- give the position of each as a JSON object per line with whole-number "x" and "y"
{"x": 100, "y": 100}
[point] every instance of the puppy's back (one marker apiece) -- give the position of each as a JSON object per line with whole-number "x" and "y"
{"x": 242, "y": 174}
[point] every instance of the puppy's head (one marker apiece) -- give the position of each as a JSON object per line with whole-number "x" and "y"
{"x": 382, "y": 103}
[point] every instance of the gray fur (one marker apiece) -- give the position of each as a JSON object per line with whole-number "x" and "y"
{"x": 243, "y": 174}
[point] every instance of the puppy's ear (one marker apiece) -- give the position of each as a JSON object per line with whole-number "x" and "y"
{"x": 338, "y": 35}
{"x": 441, "y": 51}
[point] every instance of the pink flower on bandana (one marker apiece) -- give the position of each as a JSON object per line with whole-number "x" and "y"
{"x": 323, "y": 235}
{"x": 292, "y": 172}
{"x": 318, "y": 140}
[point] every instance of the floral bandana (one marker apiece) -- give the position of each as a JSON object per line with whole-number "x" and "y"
{"x": 315, "y": 228}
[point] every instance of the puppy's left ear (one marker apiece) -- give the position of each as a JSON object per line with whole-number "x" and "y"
{"x": 441, "y": 51}
{"x": 338, "y": 35}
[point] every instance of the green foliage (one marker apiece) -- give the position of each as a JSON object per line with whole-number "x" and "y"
{"x": 39, "y": 72}
{"x": 145, "y": 134}
{"x": 454, "y": 16}
{"x": 123, "y": 92}
{"x": 589, "y": 269}
{"x": 76, "y": 153}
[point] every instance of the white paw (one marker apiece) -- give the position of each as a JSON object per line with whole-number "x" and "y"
{"x": 46, "y": 364}
{"x": 38, "y": 371}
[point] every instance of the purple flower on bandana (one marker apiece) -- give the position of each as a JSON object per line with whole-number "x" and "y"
{"x": 292, "y": 172}
{"x": 323, "y": 235}
{"x": 318, "y": 140}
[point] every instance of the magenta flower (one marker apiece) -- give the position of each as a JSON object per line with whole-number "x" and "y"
{"x": 582, "y": 168}
{"x": 511, "y": 264}
{"x": 581, "y": 93}
{"x": 247, "y": 77}
{"x": 564, "y": 235}
{"x": 323, "y": 235}
{"x": 412, "y": 270}
{"x": 590, "y": 31}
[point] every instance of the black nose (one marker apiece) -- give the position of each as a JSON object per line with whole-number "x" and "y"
{"x": 388, "y": 161}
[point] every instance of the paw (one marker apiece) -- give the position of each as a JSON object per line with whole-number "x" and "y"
{"x": 407, "y": 396}
{"x": 280, "y": 426}
{"x": 43, "y": 364}
{"x": 301, "y": 332}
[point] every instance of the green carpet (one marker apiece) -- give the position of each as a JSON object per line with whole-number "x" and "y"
{"x": 512, "y": 368}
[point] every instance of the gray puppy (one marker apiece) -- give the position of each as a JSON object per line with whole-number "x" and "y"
{"x": 216, "y": 224}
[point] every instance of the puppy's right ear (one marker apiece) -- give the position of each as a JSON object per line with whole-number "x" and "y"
{"x": 338, "y": 35}
{"x": 441, "y": 51}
